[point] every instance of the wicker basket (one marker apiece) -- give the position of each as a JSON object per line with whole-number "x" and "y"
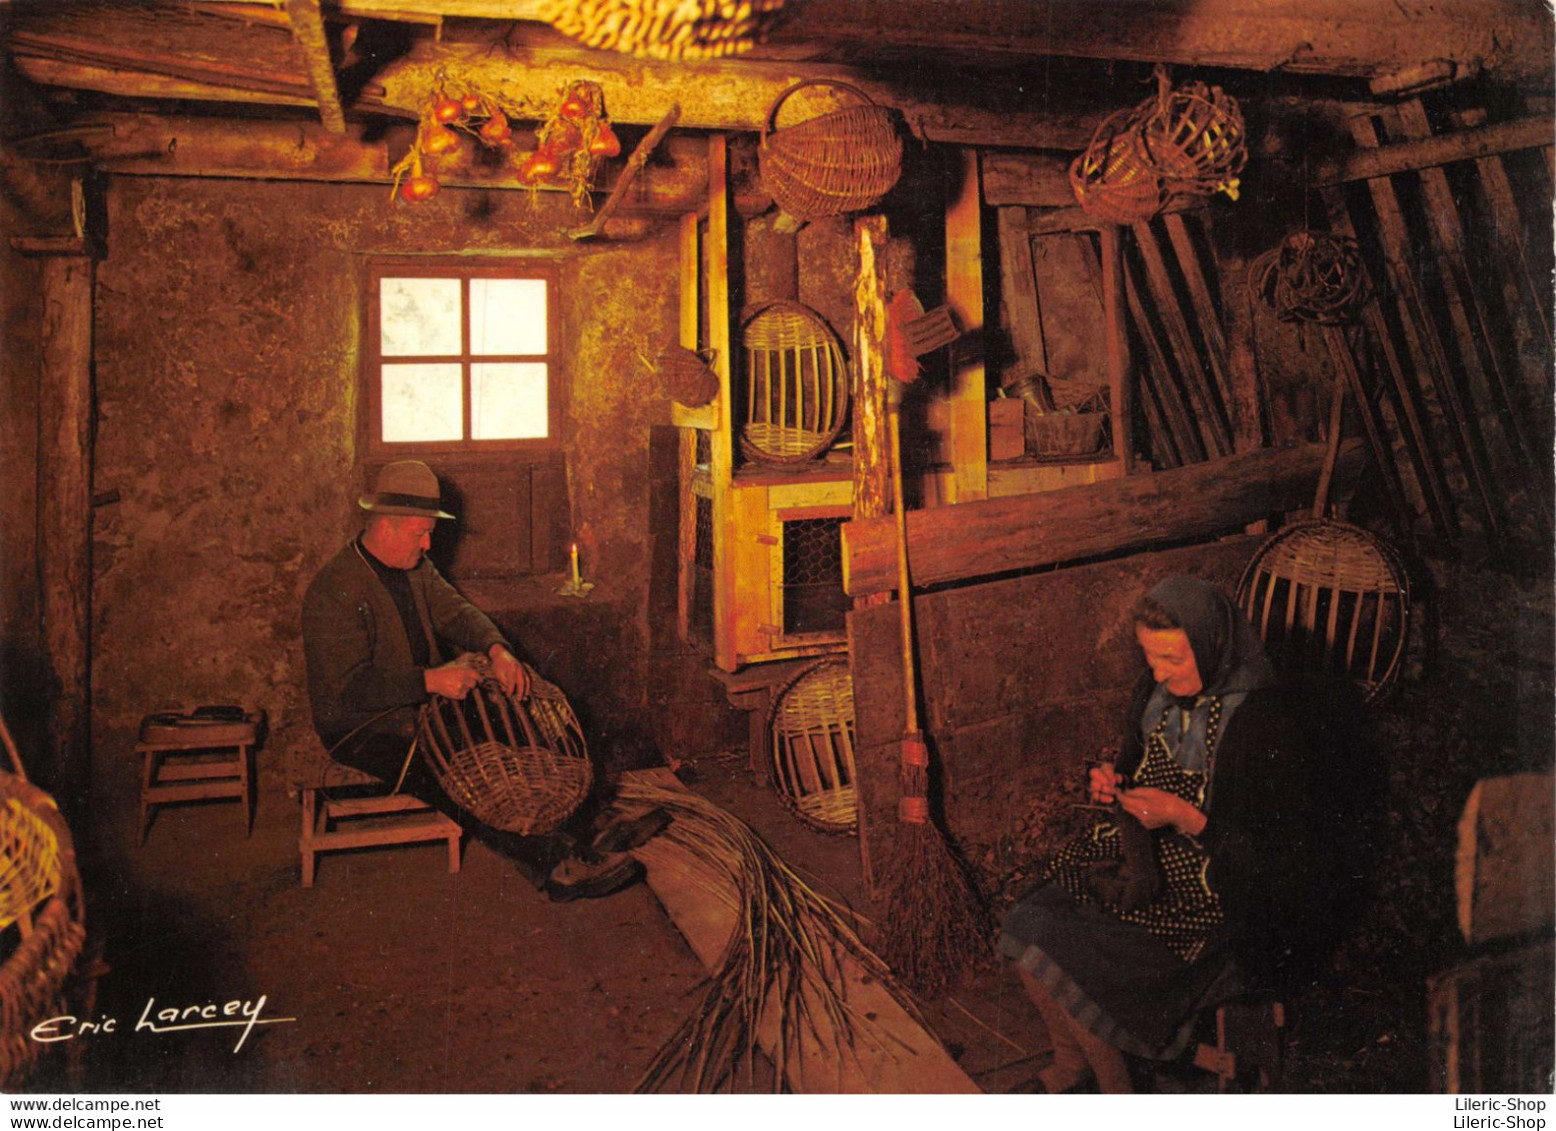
{"x": 686, "y": 376}
{"x": 664, "y": 29}
{"x": 1331, "y": 601}
{"x": 1112, "y": 179}
{"x": 811, "y": 730}
{"x": 796, "y": 384}
{"x": 516, "y": 765}
{"x": 842, "y": 161}
{"x": 1063, "y": 418}
{"x": 41, "y": 893}
{"x": 1193, "y": 138}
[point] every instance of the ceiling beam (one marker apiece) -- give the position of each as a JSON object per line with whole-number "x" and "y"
{"x": 308, "y": 34}
{"x": 142, "y": 84}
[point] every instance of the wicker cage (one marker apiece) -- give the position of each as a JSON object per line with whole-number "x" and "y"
{"x": 841, "y": 161}
{"x": 1112, "y": 179}
{"x": 811, "y": 732}
{"x": 519, "y": 765}
{"x": 40, "y": 890}
{"x": 1332, "y": 601}
{"x": 1193, "y": 138}
{"x": 796, "y": 384}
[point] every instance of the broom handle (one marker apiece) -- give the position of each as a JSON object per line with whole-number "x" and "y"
{"x": 904, "y": 596}
{"x": 10, "y": 748}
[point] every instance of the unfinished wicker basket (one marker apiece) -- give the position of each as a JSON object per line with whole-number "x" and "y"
{"x": 1193, "y": 138}
{"x": 41, "y": 907}
{"x": 842, "y": 161}
{"x": 1331, "y": 601}
{"x": 811, "y": 730}
{"x": 796, "y": 384}
{"x": 519, "y": 765}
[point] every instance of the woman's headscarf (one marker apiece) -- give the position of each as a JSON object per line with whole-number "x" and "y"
{"x": 1227, "y": 649}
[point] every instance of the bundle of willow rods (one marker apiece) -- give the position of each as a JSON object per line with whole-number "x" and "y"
{"x": 782, "y": 966}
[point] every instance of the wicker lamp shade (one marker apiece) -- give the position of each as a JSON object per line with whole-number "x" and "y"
{"x": 40, "y": 890}
{"x": 842, "y": 161}
{"x": 1331, "y": 601}
{"x": 796, "y": 384}
{"x": 519, "y": 765}
{"x": 811, "y": 727}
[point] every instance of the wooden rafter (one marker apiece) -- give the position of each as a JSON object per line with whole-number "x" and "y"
{"x": 308, "y": 33}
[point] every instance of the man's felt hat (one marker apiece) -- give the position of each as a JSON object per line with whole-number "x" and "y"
{"x": 406, "y": 486}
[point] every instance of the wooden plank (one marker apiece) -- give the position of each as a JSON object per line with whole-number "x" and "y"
{"x": 969, "y": 437}
{"x": 65, "y": 515}
{"x": 1191, "y": 369}
{"x": 1377, "y": 441}
{"x": 891, "y": 1052}
{"x": 1018, "y": 291}
{"x": 1503, "y": 871}
{"x": 1421, "y": 332}
{"x": 1121, "y": 384}
{"x": 1026, "y": 180}
{"x": 1205, "y": 313}
{"x": 871, "y": 469}
{"x": 308, "y": 31}
{"x": 1169, "y": 397}
{"x": 999, "y": 535}
{"x": 1419, "y": 447}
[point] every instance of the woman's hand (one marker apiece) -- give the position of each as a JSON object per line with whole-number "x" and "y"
{"x": 1104, "y": 782}
{"x": 1156, "y": 808}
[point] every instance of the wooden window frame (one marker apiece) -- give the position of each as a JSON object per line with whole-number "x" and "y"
{"x": 374, "y": 447}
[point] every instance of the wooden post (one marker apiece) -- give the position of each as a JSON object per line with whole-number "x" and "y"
{"x": 309, "y": 34}
{"x": 872, "y": 470}
{"x": 1382, "y": 454}
{"x": 1174, "y": 409}
{"x": 65, "y": 516}
{"x": 969, "y": 428}
{"x": 721, "y": 440}
{"x": 1018, "y": 288}
{"x": 1120, "y": 386}
{"x": 691, "y": 277}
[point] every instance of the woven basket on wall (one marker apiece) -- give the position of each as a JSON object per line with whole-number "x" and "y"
{"x": 1112, "y": 179}
{"x": 519, "y": 765}
{"x": 1331, "y": 601}
{"x": 796, "y": 384}
{"x": 41, "y": 909}
{"x": 811, "y": 735}
{"x": 842, "y": 161}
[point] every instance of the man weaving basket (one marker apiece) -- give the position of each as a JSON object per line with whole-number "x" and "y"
{"x": 377, "y": 621}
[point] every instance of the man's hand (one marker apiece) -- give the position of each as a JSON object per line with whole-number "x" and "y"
{"x": 452, "y": 680}
{"x": 513, "y": 675}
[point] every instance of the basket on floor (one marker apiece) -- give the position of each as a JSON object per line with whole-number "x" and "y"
{"x": 1332, "y": 601}
{"x": 842, "y": 161}
{"x": 796, "y": 384}
{"x": 1070, "y": 422}
{"x": 811, "y": 731}
{"x": 519, "y": 765}
{"x": 41, "y": 913}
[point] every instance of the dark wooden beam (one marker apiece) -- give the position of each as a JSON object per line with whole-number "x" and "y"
{"x": 308, "y": 32}
{"x": 994, "y": 536}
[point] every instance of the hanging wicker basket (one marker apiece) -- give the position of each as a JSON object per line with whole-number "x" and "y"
{"x": 796, "y": 384}
{"x": 842, "y": 161}
{"x": 686, "y": 376}
{"x": 811, "y": 732}
{"x": 41, "y": 909}
{"x": 1332, "y": 601}
{"x": 1112, "y": 179}
{"x": 1311, "y": 277}
{"x": 1193, "y": 138}
{"x": 519, "y": 765}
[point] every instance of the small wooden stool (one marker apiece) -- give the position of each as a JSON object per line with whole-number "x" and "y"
{"x": 198, "y": 755}
{"x": 390, "y": 818}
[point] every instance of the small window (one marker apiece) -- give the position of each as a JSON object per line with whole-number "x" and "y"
{"x": 460, "y": 357}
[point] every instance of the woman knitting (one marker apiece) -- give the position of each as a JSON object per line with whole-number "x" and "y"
{"x": 1195, "y": 883}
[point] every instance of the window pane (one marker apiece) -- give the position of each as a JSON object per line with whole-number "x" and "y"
{"x": 507, "y": 316}
{"x": 508, "y": 401}
{"x": 422, "y": 402}
{"x": 418, "y": 316}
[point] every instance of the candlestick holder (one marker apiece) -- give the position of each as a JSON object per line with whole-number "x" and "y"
{"x": 575, "y": 587}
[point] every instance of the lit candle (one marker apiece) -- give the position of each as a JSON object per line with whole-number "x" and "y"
{"x": 574, "y": 556}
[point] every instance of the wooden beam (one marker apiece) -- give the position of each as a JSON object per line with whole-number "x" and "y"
{"x": 721, "y": 439}
{"x": 1502, "y": 866}
{"x": 871, "y": 470}
{"x": 969, "y": 430}
{"x": 730, "y": 96}
{"x": 1369, "y": 162}
{"x": 1205, "y": 313}
{"x": 1120, "y": 373}
{"x": 689, "y": 313}
{"x": 1028, "y": 531}
{"x": 143, "y": 145}
{"x": 1029, "y": 180}
{"x": 308, "y": 32}
{"x": 141, "y": 84}
{"x": 1018, "y": 292}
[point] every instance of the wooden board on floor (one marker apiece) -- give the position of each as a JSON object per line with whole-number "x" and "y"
{"x": 898, "y": 1057}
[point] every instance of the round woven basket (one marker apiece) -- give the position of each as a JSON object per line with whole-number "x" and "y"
{"x": 1332, "y": 601}
{"x": 1054, "y": 434}
{"x": 796, "y": 384}
{"x": 41, "y": 912}
{"x": 519, "y": 765}
{"x": 1194, "y": 138}
{"x": 811, "y": 731}
{"x": 842, "y": 161}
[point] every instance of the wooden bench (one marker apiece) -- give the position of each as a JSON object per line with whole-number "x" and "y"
{"x": 333, "y": 824}
{"x": 187, "y": 756}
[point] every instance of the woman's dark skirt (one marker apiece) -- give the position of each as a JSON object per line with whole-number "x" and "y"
{"x": 1115, "y": 978}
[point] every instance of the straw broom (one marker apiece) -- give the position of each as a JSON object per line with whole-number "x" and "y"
{"x": 935, "y": 928}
